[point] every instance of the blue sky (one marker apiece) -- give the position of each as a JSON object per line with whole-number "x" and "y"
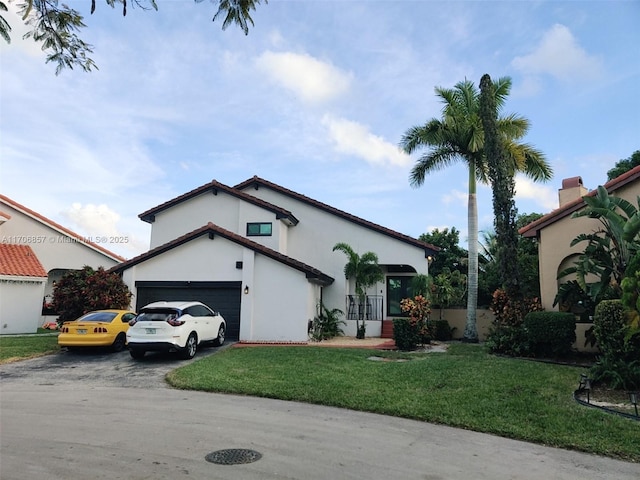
{"x": 315, "y": 98}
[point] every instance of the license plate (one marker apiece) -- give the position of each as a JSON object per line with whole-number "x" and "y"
{"x": 150, "y": 330}
{"x": 82, "y": 331}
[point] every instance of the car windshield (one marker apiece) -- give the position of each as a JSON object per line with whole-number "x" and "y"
{"x": 98, "y": 317}
{"x": 158, "y": 315}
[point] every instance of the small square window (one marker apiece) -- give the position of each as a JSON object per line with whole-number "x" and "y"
{"x": 258, "y": 229}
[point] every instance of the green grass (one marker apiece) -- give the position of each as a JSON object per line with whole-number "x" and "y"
{"x": 464, "y": 387}
{"x": 13, "y": 348}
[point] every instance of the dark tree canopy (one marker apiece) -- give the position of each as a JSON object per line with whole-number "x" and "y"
{"x": 624, "y": 165}
{"x": 451, "y": 255}
{"x": 56, "y": 25}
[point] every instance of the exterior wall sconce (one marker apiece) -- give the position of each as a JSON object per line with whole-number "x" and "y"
{"x": 429, "y": 260}
{"x": 246, "y": 289}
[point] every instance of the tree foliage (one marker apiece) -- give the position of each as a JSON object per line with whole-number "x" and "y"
{"x": 503, "y": 188}
{"x": 82, "y": 291}
{"x": 451, "y": 255}
{"x": 459, "y": 136}
{"x": 55, "y": 26}
{"x": 623, "y": 166}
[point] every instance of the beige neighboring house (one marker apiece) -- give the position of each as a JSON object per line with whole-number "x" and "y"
{"x": 34, "y": 253}
{"x": 555, "y": 231}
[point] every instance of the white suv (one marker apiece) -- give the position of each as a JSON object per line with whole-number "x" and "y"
{"x": 174, "y": 326}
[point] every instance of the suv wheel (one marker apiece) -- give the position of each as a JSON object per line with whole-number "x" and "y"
{"x": 190, "y": 347}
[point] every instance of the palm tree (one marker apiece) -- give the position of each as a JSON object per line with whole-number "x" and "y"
{"x": 364, "y": 269}
{"x": 459, "y": 136}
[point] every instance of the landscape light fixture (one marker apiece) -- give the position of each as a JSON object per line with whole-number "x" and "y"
{"x": 585, "y": 385}
{"x": 633, "y": 397}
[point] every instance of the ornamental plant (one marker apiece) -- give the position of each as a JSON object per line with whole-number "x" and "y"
{"x": 416, "y": 329}
{"x": 85, "y": 290}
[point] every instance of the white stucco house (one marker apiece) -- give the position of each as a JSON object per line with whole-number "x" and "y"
{"x": 262, "y": 255}
{"x": 27, "y": 237}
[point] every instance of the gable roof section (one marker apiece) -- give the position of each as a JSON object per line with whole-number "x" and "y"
{"x": 313, "y": 274}
{"x": 214, "y": 187}
{"x": 50, "y": 223}
{"x": 20, "y": 261}
{"x": 534, "y": 228}
{"x": 257, "y": 182}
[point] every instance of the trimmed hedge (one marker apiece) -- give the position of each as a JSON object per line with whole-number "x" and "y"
{"x": 549, "y": 334}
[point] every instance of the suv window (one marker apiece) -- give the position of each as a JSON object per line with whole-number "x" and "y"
{"x": 199, "y": 311}
{"x": 158, "y": 315}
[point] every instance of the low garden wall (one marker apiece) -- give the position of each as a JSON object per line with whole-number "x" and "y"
{"x": 457, "y": 317}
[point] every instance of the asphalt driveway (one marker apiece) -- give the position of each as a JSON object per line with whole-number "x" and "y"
{"x": 99, "y": 415}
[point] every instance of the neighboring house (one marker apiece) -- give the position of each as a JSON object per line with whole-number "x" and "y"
{"x": 262, "y": 255}
{"x": 555, "y": 231}
{"x": 56, "y": 250}
{"x": 22, "y": 285}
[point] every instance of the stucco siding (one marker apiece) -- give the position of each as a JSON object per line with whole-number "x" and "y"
{"x": 281, "y": 300}
{"x": 201, "y": 259}
{"x": 20, "y": 304}
{"x": 555, "y": 244}
{"x": 53, "y": 248}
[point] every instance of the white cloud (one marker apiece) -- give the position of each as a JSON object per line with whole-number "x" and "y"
{"x": 546, "y": 197}
{"x": 310, "y": 79}
{"x": 560, "y": 56}
{"x": 456, "y": 197}
{"x": 353, "y": 138}
{"x": 100, "y": 224}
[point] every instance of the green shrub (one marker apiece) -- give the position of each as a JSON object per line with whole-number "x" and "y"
{"x": 326, "y": 324}
{"x": 507, "y": 340}
{"x": 442, "y": 331}
{"x": 609, "y": 327}
{"x": 405, "y": 334}
{"x": 619, "y": 362}
{"x": 507, "y": 335}
{"x": 549, "y": 334}
{"x": 82, "y": 291}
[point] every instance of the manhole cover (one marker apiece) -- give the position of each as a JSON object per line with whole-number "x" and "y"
{"x": 233, "y": 456}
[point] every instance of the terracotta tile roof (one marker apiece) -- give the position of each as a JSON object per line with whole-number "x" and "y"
{"x": 20, "y": 261}
{"x": 313, "y": 274}
{"x": 58, "y": 227}
{"x": 215, "y": 187}
{"x": 533, "y": 228}
{"x": 257, "y": 182}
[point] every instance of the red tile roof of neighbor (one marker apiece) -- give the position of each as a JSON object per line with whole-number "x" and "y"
{"x": 20, "y": 261}
{"x": 60, "y": 228}
{"x": 533, "y": 228}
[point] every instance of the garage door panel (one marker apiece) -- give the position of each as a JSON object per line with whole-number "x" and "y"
{"x": 223, "y": 297}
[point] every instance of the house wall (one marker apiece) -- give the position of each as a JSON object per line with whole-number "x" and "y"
{"x": 223, "y": 210}
{"x": 200, "y": 259}
{"x": 555, "y": 240}
{"x": 280, "y": 299}
{"x": 312, "y": 241}
{"x": 283, "y": 298}
{"x": 53, "y": 248}
{"x": 20, "y": 304}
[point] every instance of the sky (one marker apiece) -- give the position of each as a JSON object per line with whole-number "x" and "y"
{"x": 316, "y": 99}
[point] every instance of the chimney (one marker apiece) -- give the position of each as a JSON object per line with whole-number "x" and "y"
{"x": 572, "y": 189}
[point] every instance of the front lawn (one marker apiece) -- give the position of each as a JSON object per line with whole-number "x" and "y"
{"x": 14, "y": 348}
{"x": 465, "y": 387}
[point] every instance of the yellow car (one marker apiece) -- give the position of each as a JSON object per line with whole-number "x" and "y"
{"x": 102, "y": 328}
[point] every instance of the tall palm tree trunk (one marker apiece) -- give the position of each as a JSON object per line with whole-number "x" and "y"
{"x": 471, "y": 330}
